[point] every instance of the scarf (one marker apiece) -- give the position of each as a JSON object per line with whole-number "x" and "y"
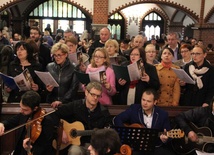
{"x": 133, "y": 84}
{"x": 96, "y": 69}
{"x": 166, "y": 65}
{"x": 194, "y": 73}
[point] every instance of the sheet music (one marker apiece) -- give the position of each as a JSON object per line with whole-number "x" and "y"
{"x": 183, "y": 76}
{"x": 47, "y": 78}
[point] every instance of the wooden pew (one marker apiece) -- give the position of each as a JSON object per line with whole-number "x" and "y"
{"x": 7, "y": 142}
{"x": 210, "y": 57}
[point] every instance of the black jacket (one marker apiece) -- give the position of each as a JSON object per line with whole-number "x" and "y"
{"x": 193, "y": 96}
{"x": 67, "y": 80}
{"x": 44, "y": 56}
{"x": 15, "y": 69}
{"x": 141, "y": 85}
{"x": 95, "y": 44}
{"x": 43, "y": 144}
{"x": 201, "y": 117}
{"x": 77, "y": 111}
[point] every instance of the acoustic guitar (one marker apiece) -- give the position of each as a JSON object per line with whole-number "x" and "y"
{"x": 74, "y": 131}
{"x": 185, "y": 146}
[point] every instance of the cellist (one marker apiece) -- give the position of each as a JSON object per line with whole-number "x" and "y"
{"x": 34, "y": 138}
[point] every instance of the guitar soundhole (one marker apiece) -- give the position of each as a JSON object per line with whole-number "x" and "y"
{"x": 73, "y": 133}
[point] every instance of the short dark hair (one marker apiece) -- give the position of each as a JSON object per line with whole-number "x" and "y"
{"x": 31, "y": 99}
{"x": 150, "y": 91}
{"x": 170, "y": 50}
{"x": 37, "y": 29}
{"x": 28, "y": 47}
{"x": 104, "y": 139}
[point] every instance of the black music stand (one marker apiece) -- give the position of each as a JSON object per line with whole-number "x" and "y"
{"x": 139, "y": 139}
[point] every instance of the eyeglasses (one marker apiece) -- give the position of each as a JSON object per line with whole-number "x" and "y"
{"x": 98, "y": 57}
{"x": 150, "y": 51}
{"x": 184, "y": 51}
{"x": 94, "y": 95}
{"x": 58, "y": 55}
{"x": 196, "y": 54}
{"x": 134, "y": 54}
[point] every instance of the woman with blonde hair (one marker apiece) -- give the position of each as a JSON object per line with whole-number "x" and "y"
{"x": 62, "y": 71}
{"x": 100, "y": 62}
{"x": 112, "y": 48}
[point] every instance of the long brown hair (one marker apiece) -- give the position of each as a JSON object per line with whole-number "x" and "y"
{"x": 106, "y": 56}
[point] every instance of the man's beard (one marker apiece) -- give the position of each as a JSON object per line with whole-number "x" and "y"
{"x": 36, "y": 40}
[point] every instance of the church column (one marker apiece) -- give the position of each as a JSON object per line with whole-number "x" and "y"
{"x": 100, "y": 16}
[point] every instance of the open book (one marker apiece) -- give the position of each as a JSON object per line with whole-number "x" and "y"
{"x": 131, "y": 72}
{"x": 22, "y": 81}
{"x": 85, "y": 78}
{"x": 47, "y": 78}
{"x": 75, "y": 57}
{"x": 182, "y": 75}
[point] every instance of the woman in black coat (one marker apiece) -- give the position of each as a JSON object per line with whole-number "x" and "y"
{"x": 62, "y": 71}
{"x": 200, "y": 70}
{"x": 24, "y": 60}
{"x": 148, "y": 80}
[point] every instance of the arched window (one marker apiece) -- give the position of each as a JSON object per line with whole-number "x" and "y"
{"x": 116, "y": 26}
{"x": 153, "y": 24}
{"x": 59, "y": 14}
{"x": 4, "y": 19}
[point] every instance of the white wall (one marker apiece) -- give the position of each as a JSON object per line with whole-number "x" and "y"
{"x": 88, "y": 4}
{"x": 187, "y": 3}
{"x": 136, "y": 11}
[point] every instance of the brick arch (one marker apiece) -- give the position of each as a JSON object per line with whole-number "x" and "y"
{"x": 192, "y": 14}
{"x": 209, "y": 15}
{"x": 160, "y": 12}
{"x": 36, "y": 3}
{"x": 9, "y": 4}
{"x": 79, "y": 6}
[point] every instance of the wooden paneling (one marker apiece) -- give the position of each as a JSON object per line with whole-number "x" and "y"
{"x": 210, "y": 57}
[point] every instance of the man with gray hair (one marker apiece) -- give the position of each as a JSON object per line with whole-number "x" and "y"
{"x": 173, "y": 43}
{"x": 137, "y": 42}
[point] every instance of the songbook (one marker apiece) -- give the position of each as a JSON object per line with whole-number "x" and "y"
{"x": 47, "y": 78}
{"x": 22, "y": 81}
{"x": 75, "y": 57}
{"x": 114, "y": 60}
{"x": 78, "y": 57}
{"x": 85, "y": 78}
{"x": 182, "y": 75}
{"x": 131, "y": 72}
{"x": 117, "y": 60}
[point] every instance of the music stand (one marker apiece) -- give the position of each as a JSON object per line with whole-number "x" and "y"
{"x": 139, "y": 139}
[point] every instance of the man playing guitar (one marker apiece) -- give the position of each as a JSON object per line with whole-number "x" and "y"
{"x": 200, "y": 138}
